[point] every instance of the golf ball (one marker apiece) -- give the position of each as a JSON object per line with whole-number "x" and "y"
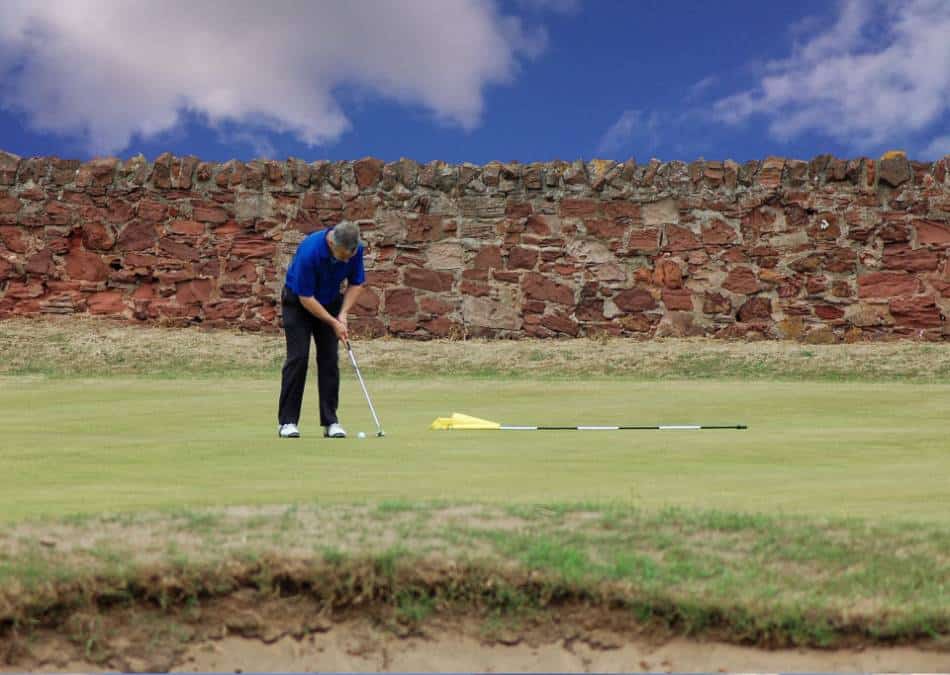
{"x": 361, "y": 435}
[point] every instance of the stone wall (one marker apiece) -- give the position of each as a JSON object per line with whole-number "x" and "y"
{"x": 824, "y": 250}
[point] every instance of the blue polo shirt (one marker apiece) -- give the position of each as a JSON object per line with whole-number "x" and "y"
{"x": 314, "y": 272}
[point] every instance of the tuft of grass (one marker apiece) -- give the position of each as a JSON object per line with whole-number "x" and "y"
{"x": 413, "y": 606}
{"x": 333, "y": 556}
{"x": 387, "y": 562}
{"x": 568, "y": 563}
{"x": 290, "y": 519}
{"x": 391, "y": 506}
{"x": 197, "y": 522}
{"x": 32, "y": 569}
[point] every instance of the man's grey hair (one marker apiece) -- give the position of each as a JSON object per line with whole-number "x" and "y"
{"x": 346, "y": 235}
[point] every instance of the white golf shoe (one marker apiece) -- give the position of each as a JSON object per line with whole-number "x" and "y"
{"x": 335, "y": 431}
{"x": 288, "y": 431}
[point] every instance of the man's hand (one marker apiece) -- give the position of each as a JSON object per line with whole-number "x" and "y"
{"x": 342, "y": 318}
{"x": 337, "y": 324}
{"x": 339, "y": 327}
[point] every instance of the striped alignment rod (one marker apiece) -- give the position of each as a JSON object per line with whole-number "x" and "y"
{"x": 664, "y": 427}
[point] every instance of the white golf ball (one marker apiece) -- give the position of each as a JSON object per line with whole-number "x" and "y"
{"x": 361, "y": 435}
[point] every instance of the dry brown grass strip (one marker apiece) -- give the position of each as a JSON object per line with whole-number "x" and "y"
{"x": 86, "y": 346}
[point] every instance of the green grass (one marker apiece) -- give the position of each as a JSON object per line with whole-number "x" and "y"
{"x": 829, "y": 514}
{"x": 88, "y": 446}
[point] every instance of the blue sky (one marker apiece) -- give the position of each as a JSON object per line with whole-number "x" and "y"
{"x": 475, "y": 81}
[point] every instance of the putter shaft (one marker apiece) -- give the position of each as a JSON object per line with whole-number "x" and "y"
{"x": 359, "y": 376}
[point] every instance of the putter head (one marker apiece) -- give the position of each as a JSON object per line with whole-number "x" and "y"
{"x": 380, "y": 434}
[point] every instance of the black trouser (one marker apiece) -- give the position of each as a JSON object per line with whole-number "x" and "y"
{"x": 299, "y": 326}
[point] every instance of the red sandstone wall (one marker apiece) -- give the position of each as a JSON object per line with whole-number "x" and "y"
{"x": 824, "y": 250}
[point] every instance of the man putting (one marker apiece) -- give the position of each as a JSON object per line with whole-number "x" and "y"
{"x": 312, "y": 305}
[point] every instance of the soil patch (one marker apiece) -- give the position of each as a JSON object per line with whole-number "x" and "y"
{"x": 243, "y": 633}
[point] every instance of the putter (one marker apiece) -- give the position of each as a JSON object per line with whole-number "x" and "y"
{"x": 379, "y": 428}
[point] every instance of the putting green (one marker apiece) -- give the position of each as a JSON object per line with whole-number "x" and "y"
{"x": 860, "y": 449}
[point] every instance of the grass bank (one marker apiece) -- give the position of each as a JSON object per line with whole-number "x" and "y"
{"x": 83, "y": 347}
{"x": 763, "y": 580}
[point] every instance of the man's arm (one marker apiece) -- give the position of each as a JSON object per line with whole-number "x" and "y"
{"x": 314, "y": 307}
{"x": 349, "y": 298}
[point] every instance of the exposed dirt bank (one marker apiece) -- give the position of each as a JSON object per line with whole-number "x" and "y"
{"x": 243, "y": 632}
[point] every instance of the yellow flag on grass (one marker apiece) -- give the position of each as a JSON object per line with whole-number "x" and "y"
{"x": 460, "y": 421}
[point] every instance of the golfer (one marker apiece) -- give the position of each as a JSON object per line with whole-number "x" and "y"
{"x": 313, "y": 306}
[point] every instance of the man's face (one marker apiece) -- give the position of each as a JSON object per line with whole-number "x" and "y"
{"x": 338, "y": 252}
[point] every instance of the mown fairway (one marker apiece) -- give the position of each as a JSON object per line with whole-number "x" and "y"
{"x": 824, "y": 523}
{"x": 87, "y": 445}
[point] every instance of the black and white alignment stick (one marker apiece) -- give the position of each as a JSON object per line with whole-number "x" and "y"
{"x": 661, "y": 427}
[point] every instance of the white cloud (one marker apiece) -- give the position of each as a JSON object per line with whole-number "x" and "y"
{"x": 104, "y": 70}
{"x": 880, "y": 72}
{"x": 701, "y": 87}
{"x": 258, "y": 142}
{"x": 634, "y": 127}
{"x": 937, "y": 149}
